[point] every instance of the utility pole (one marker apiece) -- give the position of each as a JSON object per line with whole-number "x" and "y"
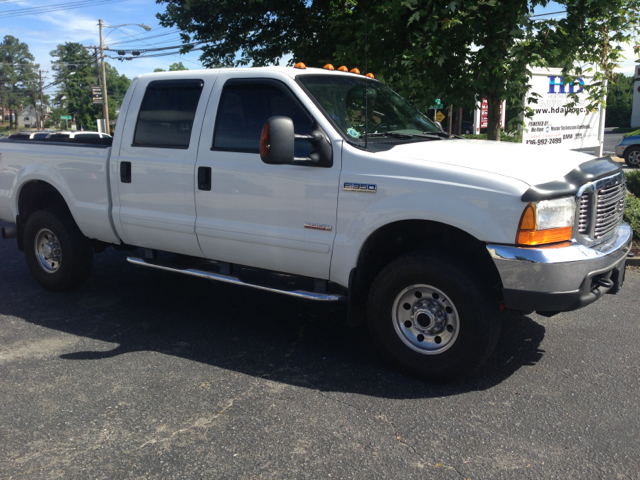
{"x": 105, "y": 104}
{"x": 41, "y": 102}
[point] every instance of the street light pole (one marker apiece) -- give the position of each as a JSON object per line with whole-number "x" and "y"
{"x": 105, "y": 104}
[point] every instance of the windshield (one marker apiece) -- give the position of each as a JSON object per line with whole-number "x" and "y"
{"x": 363, "y": 108}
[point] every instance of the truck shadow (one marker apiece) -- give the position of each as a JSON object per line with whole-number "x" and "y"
{"x": 247, "y": 331}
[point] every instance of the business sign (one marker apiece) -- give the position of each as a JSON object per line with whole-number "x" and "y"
{"x": 555, "y": 125}
{"x": 481, "y": 115}
{"x": 96, "y": 93}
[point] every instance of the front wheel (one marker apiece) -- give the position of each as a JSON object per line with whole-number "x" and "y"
{"x": 432, "y": 318}
{"x": 632, "y": 157}
{"x": 59, "y": 256}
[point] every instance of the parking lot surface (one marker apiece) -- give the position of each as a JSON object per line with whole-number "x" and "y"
{"x": 145, "y": 374}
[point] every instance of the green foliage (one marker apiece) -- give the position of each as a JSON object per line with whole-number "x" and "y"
{"x": 632, "y": 134}
{"x": 174, "y": 67}
{"x": 503, "y": 137}
{"x": 425, "y": 49}
{"x": 18, "y": 74}
{"x": 632, "y": 214}
{"x": 619, "y": 101}
{"x": 75, "y": 73}
{"x": 633, "y": 182}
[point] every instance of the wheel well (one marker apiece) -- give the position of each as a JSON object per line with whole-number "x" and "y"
{"x": 399, "y": 238}
{"x": 36, "y": 195}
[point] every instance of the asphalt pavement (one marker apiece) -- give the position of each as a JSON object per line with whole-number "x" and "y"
{"x": 146, "y": 374}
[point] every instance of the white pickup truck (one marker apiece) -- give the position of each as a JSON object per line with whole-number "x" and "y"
{"x": 328, "y": 186}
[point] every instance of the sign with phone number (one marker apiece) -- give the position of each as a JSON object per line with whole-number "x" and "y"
{"x": 553, "y": 123}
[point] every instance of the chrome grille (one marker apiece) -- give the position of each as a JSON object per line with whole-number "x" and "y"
{"x": 610, "y": 209}
{"x": 583, "y": 214}
{"x": 601, "y": 208}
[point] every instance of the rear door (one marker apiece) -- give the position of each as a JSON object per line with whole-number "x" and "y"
{"x": 277, "y": 217}
{"x": 155, "y": 207}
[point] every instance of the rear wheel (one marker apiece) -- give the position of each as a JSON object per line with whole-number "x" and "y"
{"x": 632, "y": 157}
{"x": 57, "y": 253}
{"x": 432, "y": 318}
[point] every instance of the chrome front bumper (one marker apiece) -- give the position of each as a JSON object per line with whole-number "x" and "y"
{"x": 561, "y": 279}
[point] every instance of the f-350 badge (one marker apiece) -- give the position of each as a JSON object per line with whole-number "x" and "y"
{"x": 360, "y": 187}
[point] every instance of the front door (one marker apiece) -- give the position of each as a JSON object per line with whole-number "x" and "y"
{"x": 277, "y": 217}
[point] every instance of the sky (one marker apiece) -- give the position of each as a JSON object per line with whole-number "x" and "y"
{"x": 45, "y": 30}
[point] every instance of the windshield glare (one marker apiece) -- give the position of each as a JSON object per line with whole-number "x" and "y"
{"x": 359, "y": 106}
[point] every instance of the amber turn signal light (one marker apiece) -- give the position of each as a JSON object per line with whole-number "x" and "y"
{"x": 265, "y": 141}
{"x": 300, "y": 65}
{"x": 529, "y": 235}
{"x": 540, "y": 237}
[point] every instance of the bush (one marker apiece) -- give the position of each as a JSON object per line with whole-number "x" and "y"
{"x": 503, "y": 137}
{"x": 633, "y": 182}
{"x": 630, "y": 134}
{"x": 632, "y": 215}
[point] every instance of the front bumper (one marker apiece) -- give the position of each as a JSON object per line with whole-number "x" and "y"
{"x": 619, "y": 149}
{"x": 561, "y": 279}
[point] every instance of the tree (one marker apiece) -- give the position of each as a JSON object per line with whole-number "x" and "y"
{"x": 619, "y": 101}
{"x": 458, "y": 50}
{"x": 174, "y": 67}
{"x": 18, "y": 77}
{"x": 75, "y": 73}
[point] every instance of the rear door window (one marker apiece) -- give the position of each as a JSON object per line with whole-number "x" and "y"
{"x": 166, "y": 114}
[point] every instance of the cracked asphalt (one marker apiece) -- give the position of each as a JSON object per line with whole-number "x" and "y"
{"x": 145, "y": 374}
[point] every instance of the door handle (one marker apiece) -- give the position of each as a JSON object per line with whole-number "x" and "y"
{"x": 125, "y": 172}
{"x": 204, "y": 178}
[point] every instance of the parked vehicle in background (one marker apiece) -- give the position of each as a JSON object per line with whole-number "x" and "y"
{"x": 629, "y": 149}
{"x": 326, "y": 186}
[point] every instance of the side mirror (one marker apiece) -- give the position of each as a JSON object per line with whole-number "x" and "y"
{"x": 277, "y": 145}
{"x": 277, "y": 141}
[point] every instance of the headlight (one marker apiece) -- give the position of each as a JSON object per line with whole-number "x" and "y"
{"x": 547, "y": 221}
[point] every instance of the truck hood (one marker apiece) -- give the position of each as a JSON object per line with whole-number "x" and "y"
{"x": 531, "y": 165}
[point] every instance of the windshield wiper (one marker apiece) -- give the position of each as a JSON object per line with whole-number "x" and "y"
{"x": 405, "y": 135}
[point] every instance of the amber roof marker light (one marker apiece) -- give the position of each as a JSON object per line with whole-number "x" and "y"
{"x": 343, "y": 69}
{"x": 355, "y": 70}
{"x": 328, "y": 66}
{"x": 300, "y": 65}
{"x": 370, "y": 75}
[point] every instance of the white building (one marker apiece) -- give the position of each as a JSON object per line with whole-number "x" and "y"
{"x": 635, "y": 113}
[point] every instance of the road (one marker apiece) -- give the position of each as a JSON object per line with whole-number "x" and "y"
{"x": 144, "y": 374}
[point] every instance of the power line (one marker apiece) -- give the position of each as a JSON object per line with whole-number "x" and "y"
{"x": 177, "y": 30}
{"x": 20, "y": 12}
{"x": 545, "y": 14}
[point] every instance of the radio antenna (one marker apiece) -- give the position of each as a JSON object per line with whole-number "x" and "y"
{"x": 366, "y": 87}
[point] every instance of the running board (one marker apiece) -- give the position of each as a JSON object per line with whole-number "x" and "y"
{"x": 322, "y": 297}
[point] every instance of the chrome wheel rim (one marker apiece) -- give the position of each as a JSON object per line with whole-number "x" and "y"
{"x": 48, "y": 251}
{"x": 425, "y": 319}
{"x": 634, "y": 157}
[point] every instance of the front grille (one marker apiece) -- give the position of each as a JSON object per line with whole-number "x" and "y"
{"x": 600, "y": 210}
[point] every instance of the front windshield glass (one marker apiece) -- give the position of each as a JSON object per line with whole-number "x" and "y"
{"x": 361, "y": 107}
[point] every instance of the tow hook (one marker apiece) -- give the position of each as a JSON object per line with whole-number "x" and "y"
{"x": 9, "y": 232}
{"x": 603, "y": 282}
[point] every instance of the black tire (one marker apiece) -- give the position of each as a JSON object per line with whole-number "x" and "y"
{"x": 59, "y": 256}
{"x": 462, "y": 308}
{"x": 632, "y": 157}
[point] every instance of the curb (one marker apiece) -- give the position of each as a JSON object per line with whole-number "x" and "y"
{"x": 633, "y": 261}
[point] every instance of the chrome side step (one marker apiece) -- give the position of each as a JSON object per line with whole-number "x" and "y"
{"x": 323, "y": 297}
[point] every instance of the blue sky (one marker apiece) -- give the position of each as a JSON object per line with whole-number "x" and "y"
{"x": 44, "y": 31}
